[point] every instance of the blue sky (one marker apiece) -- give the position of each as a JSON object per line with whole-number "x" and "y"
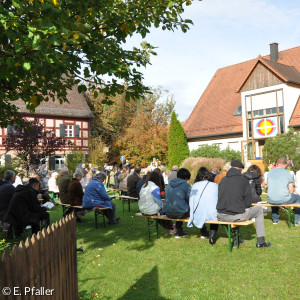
{"x": 225, "y": 32}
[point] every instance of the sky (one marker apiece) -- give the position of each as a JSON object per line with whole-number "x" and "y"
{"x": 225, "y": 32}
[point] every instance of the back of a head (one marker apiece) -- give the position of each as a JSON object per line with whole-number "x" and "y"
{"x": 101, "y": 175}
{"x": 77, "y": 173}
{"x": 64, "y": 171}
{"x": 203, "y": 174}
{"x": 32, "y": 181}
{"x": 175, "y": 168}
{"x": 227, "y": 166}
{"x": 184, "y": 174}
{"x": 137, "y": 170}
{"x": 281, "y": 161}
{"x": 153, "y": 177}
{"x": 254, "y": 169}
{"x": 9, "y": 175}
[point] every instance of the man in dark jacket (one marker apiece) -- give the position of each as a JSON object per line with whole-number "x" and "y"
{"x": 132, "y": 181}
{"x": 6, "y": 191}
{"x": 176, "y": 205}
{"x": 25, "y": 208}
{"x": 234, "y": 202}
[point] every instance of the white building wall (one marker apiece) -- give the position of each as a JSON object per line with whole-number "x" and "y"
{"x": 290, "y": 98}
{"x": 233, "y": 143}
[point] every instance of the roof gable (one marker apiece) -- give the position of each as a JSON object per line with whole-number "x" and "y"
{"x": 267, "y": 73}
{"x": 214, "y": 112}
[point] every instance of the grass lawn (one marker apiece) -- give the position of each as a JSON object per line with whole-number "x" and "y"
{"x": 119, "y": 262}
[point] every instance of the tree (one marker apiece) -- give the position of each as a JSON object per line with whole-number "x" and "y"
{"x": 177, "y": 147}
{"x": 32, "y": 143}
{"x": 147, "y": 135}
{"x": 48, "y": 46}
{"x": 283, "y": 145}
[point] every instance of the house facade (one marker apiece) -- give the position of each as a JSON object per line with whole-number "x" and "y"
{"x": 70, "y": 120}
{"x": 247, "y": 103}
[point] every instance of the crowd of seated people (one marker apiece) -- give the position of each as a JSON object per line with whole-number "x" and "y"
{"x": 227, "y": 196}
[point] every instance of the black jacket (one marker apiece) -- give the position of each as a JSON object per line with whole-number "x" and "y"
{"x": 234, "y": 193}
{"x": 132, "y": 181}
{"x": 255, "y": 185}
{"x": 24, "y": 206}
{"x": 6, "y": 193}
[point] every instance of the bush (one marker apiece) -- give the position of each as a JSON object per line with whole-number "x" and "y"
{"x": 283, "y": 145}
{"x": 3, "y": 169}
{"x": 214, "y": 151}
{"x": 193, "y": 164}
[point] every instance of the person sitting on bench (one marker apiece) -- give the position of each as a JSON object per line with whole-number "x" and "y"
{"x": 95, "y": 195}
{"x": 150, "y": 203}
{"x": 203, "y": 202}
{"x": 281, "y": 190}
{"x": 234, "y": 202}
{"x": 25, "y": 208}
{"x": 176, "y": 205}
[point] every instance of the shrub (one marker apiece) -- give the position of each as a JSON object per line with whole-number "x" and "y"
{"x": 214, "y": 151}
{"x": 193, "y": 164}
{"x": 283, "y": 145}
{"x": 3, "y": 169}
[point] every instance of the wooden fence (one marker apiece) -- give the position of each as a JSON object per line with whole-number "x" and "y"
{"x": 44, "y": 266}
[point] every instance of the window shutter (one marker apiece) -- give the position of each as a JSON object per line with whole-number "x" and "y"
{"x": 52, "y": 163}
{"x": 7, "y": 160}
{"x": 77, "y": 130}
{"x": 62, "y": 130}
{"x": 9, "y": 129}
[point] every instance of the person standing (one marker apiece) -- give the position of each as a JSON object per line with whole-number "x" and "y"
{"x": 132, "y": 181}
{"x": 63, "y": 184}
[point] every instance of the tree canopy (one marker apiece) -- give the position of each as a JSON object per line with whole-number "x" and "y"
{"x": 48, "y": 46}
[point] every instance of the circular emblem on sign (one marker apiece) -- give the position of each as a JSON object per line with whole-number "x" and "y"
{"x": 265, "y": 127}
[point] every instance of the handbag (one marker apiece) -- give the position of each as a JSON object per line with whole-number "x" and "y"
{"x": 200, "y": 197}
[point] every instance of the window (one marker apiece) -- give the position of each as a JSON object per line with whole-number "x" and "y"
{"x": 238, "y": 111}
{"x": 69, "y": 131}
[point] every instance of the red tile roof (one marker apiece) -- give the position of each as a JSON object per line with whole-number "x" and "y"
{"x": 77, "y": 106}
{"x": 213, "y": 114}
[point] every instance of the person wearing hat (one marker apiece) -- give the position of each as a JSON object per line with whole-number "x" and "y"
{"x": 234, "y": 202}
{"x": 95, "y": 195}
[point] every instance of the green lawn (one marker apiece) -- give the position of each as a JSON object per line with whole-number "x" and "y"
{"x": 119, "y": 262}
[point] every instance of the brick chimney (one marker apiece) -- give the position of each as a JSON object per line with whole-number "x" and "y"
{"x": 274, "y": 51}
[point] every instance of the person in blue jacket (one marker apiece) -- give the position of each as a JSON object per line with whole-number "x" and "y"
{"x": 176, "y": 205}
{"x": 95, "y": 195}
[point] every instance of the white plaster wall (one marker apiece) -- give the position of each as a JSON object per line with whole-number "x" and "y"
{"x": 233, "y": 143}
{"x": 290, "y": 98}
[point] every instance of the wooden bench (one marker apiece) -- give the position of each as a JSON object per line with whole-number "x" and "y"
{"x": 231, "y": 228}
{"x": 126, "y": 199}
{"x": 98, "y": 211}
{"x": 289, "y": 208}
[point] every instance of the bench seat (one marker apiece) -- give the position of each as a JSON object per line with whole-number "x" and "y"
{"x": 231, "y": 228}
{"x": 289, "y": 210}
{"x": 98, "y": 211}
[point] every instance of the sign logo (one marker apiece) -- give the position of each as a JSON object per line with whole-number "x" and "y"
{"x": 266, "y": 127}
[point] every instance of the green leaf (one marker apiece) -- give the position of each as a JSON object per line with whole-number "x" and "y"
{"x": 10, "y": 62}
{"x": 82, "y": 88}
{"x": 170, "y": 4}
{"x": 26, "y": 66}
